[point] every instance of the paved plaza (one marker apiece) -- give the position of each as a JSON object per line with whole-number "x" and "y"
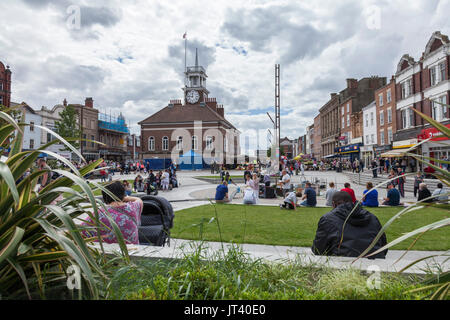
{"x": 194, "y": 192}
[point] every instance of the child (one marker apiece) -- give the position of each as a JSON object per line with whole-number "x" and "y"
{"x": 290, "y": 202}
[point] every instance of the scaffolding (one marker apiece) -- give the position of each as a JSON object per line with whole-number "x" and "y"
{"x": 108, "y": 122}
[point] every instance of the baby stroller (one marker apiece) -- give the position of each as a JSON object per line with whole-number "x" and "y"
{"x": 156, "y": 221}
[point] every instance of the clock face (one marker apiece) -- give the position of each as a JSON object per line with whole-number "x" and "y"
{"x": 192, "y": 96}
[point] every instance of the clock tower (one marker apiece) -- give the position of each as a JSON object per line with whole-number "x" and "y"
{"x": 195, "y": 91}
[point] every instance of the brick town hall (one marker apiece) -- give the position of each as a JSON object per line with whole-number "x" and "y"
{"x": 195, "y": 126}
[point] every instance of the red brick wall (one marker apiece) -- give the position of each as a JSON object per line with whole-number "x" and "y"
{"x": 426, "y": 81}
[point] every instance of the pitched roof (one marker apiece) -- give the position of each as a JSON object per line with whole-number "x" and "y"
{"x": 187, "y": 113}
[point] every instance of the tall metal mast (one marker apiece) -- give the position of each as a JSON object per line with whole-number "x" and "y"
{"x": 277, "y": 112}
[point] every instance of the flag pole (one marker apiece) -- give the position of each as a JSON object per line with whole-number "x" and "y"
{"x": 185, "y": 49}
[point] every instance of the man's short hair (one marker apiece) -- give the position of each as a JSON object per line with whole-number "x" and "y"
{"x": 347, "y": 185}
{"x": 331, "y": 184}
{"x": 439, "y": 185}
{"x": 308, "y": 184}
{"x": 341, "y": 197}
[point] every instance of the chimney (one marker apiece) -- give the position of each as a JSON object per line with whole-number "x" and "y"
{"x": 220, "y": 110}
{"x": 65, "y": 102}
{"x": 352, "y": 83}
{"x": 89, "y": 103}
{"x": 333, "y": 95}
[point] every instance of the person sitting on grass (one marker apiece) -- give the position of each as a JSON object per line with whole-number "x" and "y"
{"x": 329, "y": 195}
{"x": 290, "y": 202}
{"x": 222, "y": 192}
{"x": 125, "y": 211}
{"x": 309, "y": 196}
{"x": 370, "y": 199}
{"x": 443, "y": 197}
{"x": 392, "y": 197}
{"x": 360, "y": 230}
{"x": 350, "y": 191}
{"x": 424, "y": 193}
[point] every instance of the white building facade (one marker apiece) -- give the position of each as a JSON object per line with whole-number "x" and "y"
{"x": 370, "y": 137}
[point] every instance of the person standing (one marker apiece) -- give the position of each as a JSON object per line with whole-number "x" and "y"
{"x": 165, "y": 180}
{"x": 374, "y": 168}
{"x": 46, "y": 177}
{"x": 285, "y": 182}
{"x": 253, "y": 183}
{"x": 418, "y": 179}
{"x": 401, "y": 182}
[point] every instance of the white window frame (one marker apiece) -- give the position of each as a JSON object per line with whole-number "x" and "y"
{"x": 388, "y": 96}
{"x": 179, "y": 143}
{"x": 165, "y": 143}
{"x": 151, "y": 144}
{"x": 372, "y": 138}
{"x": 209, "y": 143}
{"x": 348, "y": 107}
{"x": 343, "y": 121}
{"x": 433, "y": 76}
{"x": 380, "y": 99}
{"x": 381, "y": 118}
{"x": 390, "y": 135}
{"x": 389, "y": 115}
{"x": 194, "y": 143}
{"x": 367, "y": 119}
{"x": 371, "y": 118}
{"x": 348, "y": 120}
{"x": 381, "y": 137}
{"x": 441, "y": 71}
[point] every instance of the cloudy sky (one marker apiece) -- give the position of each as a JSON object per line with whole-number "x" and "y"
{"x": 129, "y": 55}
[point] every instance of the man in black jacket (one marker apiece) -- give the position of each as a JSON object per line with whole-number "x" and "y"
{"x": 360, "y": 230}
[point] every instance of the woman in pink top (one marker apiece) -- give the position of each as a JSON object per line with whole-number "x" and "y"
{"x": 126, "y": 213}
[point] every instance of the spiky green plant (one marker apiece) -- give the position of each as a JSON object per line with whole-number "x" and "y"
{"x": 440, "y": 282}
{"x": 40, "y": 243}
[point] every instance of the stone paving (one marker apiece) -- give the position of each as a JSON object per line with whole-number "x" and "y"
{"x": 193, "y": 192}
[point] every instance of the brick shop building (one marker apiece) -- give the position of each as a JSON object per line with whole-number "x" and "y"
{"x": 5, "y": 85}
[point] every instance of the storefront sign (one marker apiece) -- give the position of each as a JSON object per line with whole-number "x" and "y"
{"x": 404, "y": 143}
{"x": 347, "y": 149}
{"x": 433, "y": 133}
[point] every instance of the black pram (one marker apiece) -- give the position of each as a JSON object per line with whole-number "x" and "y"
{"x": 156, "y": 221}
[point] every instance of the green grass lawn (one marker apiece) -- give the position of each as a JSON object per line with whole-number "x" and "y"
{"x": 271, "y": 225}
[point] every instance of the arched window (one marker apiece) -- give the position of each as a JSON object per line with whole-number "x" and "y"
{"x": 165, "y": 143}
{"x": 194, "y": 142}
{"x": 151, "y": 144}
{"x": 180, "y": 143}
{"x": 209, "y": 143}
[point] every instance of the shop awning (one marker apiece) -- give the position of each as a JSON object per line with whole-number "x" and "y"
{"x": 394, "y": 153}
